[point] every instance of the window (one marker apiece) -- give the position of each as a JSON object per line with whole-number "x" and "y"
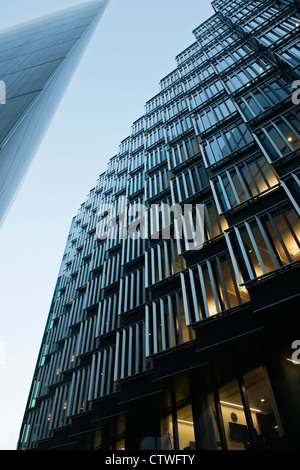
{"x": 188, "y": 183}
{"x": 212, "y": 288}
{"x": 269, "y": 241}
{"x": 225, "y": 142}
{"x": 214, "y": 114}
{"x": 281, "y": 136}
{"x": 264, "y": 97}
{"x": 183, "y": 151}
{"x": 166, "y": 324}
{"x": 244, "y": 181}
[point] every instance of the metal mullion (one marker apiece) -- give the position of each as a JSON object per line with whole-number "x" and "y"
{"x": 279, "y": 236}
{"x": 195, "y": 302}
{"x": 137, "y": 347}
{"x": 255, "y": 247}
{"x": 233, "y": 187}
{"x": 109, "y": 373}
{"x": 147, "y": 334}
{"x": 162, "y": 324}
{"x": 267, "y": 242}
{"x": 213, "y": 286}
{"x": 160, "y": 276}
{"x": 224, "y": 192}
{"x": 132, "y": 286}
{"x": 103, "y": 317}
{"x": 154, "y": 320}
{"x": 216, "y": 199}
{"x": 179, "y": 317}
{"x": 283, "y": 136}
{"x": 251, "y": 176}
{"x": 223, "y": 282}
{"x": 108, "y": 316}
{"x": 202, "y": 285}
{"x": 241, "y": 179}
{"x": 244, "y": 253}
{"x": 183, "y": 176}
{"x": 92, "y": 379}
{"x": 129, "y": 370}
{"x": 123, "y": 354}
{"x": 289, "y": 226}
{"x": 167, "y": 268}
{"x": 171, "y": 321}
{"x": 294, "y": 130}
{"x": 231, "y": 269}
{"x": 103, "y": 373}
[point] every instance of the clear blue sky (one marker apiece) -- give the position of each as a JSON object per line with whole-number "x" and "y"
{"x": 134, "y": 46}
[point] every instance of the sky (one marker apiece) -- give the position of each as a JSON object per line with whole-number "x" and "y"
{"x": 133, "y": 48}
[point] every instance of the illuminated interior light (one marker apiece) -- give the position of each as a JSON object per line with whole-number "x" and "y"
{"x": 295, "y": 252}
{"x": 290, "y": 139}
{"x": 186, "y": 422}
{"x": 234, "y": 405}
{"x": 292, "y": 360}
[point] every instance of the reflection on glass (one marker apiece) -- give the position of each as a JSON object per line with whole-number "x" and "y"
{"x": 234, "y": 419}
{"x": 186, "y": 432}
{"x": 264, "y": 415}
{"x": 210, "y": 437}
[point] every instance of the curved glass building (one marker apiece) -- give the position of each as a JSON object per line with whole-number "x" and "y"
{"x": 37, "y": 61}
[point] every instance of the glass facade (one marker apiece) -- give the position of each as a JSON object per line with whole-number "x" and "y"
{"x": 157, "y": 342}
{"x": 36, "y": 63}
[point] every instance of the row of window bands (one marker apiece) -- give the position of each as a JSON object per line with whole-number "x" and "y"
{"x": 267, "y": 242}
{"x": 212, "y": 287}
{"x": 279, "y": 31}
{"x": 188, "y": 183}
{"x": 280, "y": 136}
{"x": 166, "y": 324}
{"x": 291, "y": 54}
{"x": 243, "y": 181}
{"x": 225, "y": 142}
{"x": 183, "y": 151}
{"x": 214, "y": 114}
{"x": 264, "y": 96}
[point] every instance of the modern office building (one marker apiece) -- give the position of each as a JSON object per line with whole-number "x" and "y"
{"x": 37, "y": 61}
{"x": 158, "y": 338}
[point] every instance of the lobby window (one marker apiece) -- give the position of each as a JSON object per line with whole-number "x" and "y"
{"x": 226, "y": 142}
{"x": 269, "y": 241}
{"x": 281, "y": 136}
{"x": 212, "y": 288}
{"x": 244, "y": 181}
